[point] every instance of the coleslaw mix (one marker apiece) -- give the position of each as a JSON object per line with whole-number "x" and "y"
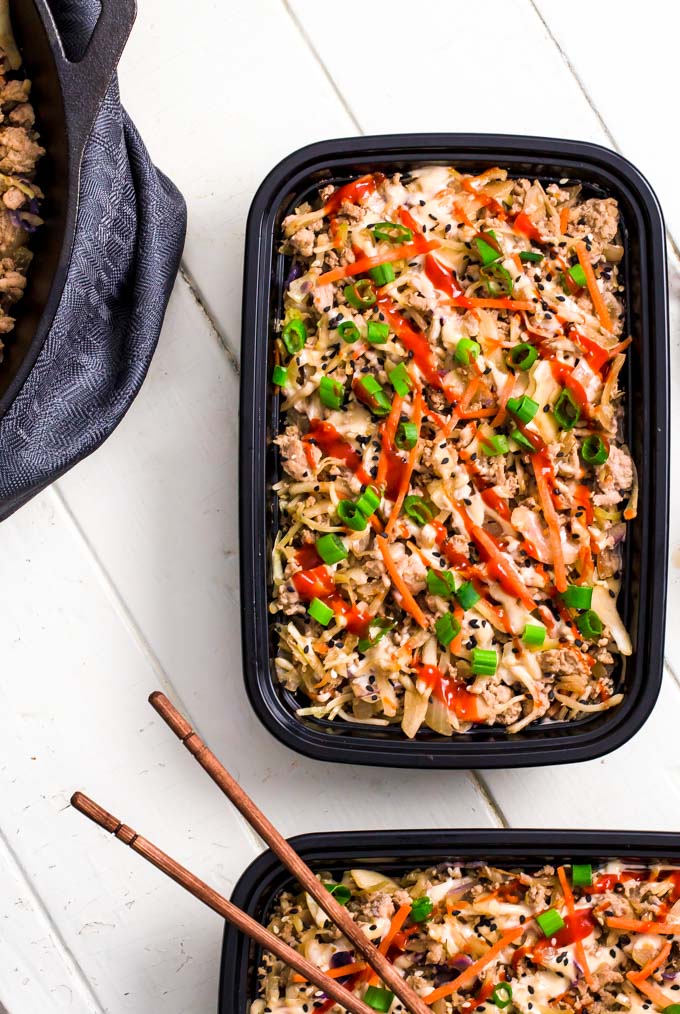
{"x": 455, "y": 484}
{"x": 546, "y": 941}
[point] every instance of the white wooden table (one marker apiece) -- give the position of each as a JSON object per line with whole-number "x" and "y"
{"x": 123, "y": 577}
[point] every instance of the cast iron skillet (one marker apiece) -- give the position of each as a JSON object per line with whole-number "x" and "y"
{"x": 66, "y": 96}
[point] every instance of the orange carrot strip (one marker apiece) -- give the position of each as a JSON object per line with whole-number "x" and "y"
{"x": 471, "y": 973}
{"x": 642, "y": 925}
{"x": 579, "y": 949}
{"x": 416, "y": 418}
{"x": 495, "y": 304}
{"x": 564, "y": 220}
{"x": 398, "y": 920}
{"x": 388, "y": 433}
{"x": 408, "y": 603}
{"x": 593, "y": 288}
{"x": 652, "y": 965}
{"x": 364, "y": 264}
{"x": 505, "y": 393}
{"x": 550, "y": 515}
{"x": 654, "y": 994}
{"x": 336, "y": 973}
{"x": 477, "y": 413}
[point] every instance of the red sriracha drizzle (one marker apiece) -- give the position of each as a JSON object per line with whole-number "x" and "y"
{"x": 608, "y": 881}
{"x": 576, "y": 927}
{"x": 353, "y": 192}
{"x": 316, "y": 582}
{"x": 414, "y": 341}
{"x": 453, "y": 693}
{"x": 332, "y": 445}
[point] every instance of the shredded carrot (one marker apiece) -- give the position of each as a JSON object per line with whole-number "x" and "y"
{"x": 416, "y": 418}
{"x": 505, "y": 393}
{"x": 552, "y": 521}
{"x": 462, "y": 214}
{"x": 643, "y": 925}
{"x": 564, "y": 220}
{"x": 652, "y": 965}
{"x": 593, "y": 288}
{"x": 654, "y": 994}
{"x": 579, "y": 949}
{"x": 398, "y": 920}
{"x": 389, "y": 430}
{"x": 336, "y": 973}
{"x": 407, "y": 603}
{"x": 364, "y": 264}
{"x": 517, "y": 262}
{"x": 494, "y": 304}
{"x": 471, "y": 973}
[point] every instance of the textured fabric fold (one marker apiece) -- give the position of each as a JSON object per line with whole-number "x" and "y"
{"x": 128, "y": 243}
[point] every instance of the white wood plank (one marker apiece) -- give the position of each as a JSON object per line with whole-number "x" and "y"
{"x": 635, "y": 788}
{"x": 221, "y": 95}
{"x": 168, "y": 477}
{"x": 36, "y": 972}
{"x": 73, "y": 714}
{"x": 627, "y": 62}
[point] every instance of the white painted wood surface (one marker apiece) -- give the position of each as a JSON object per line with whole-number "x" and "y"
{"x": 123, "y": 577}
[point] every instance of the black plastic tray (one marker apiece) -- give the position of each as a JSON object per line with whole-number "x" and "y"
{"x": 643, "y": 597}
{"x": 398, "y": 852}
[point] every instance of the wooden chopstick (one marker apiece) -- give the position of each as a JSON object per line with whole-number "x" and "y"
{"x": 219, "y": 904}
{"x": 288, "y": 856}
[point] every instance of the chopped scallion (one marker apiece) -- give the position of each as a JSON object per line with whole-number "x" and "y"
{"x": 534, "y": 634}
{"x": 382, "y": 274}
{"x": 407, "y": 436}
{"x": 590, "y": 625}
{"x": 280, "y": 376}
{"x": 294, "y": 336}
{"x": 524, "y": 408}
{"x": 446, "y": 628}
{"x": 349, "y": 332}
{"x": 466, "y": 351}
{"x": 467, "y": 595}
{"x": 360, "y": 294}
{"x": 351, "y": 516}
{"x": 578, "y": 596}
{"x": 331, "y": 392}
{"x": 441, "y": 583}
{"x": 566, "y": 410}
{"x": 484, "y": 662}
{"x": 331, "y": 548}
{"x": 522, "y": 356}
{"x": 377, "y": 333}
{"x": 400, "y": 380}
{"x": 320, "y": 612}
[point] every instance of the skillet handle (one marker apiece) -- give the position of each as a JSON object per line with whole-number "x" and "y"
{"x": 84, "y": 83}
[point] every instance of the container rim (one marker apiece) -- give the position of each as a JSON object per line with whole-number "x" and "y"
{"x": 265, "y": 874}
{"x": 543, "y": 746}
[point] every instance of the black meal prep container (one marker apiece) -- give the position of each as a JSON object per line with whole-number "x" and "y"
{"x": 646, "y": 380}
{"x": 66, "y": 96}
{"x": 398, "y": 852}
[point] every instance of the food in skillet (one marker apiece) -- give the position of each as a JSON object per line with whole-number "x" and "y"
{"x": 480, "y": 938}
{"x": 456, "y": 484}
{"x": 19, "y": 155}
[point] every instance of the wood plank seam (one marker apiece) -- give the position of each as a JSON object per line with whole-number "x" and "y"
{"x": 64, "y": 952}
{"x": 487, "y": 796}
{"x": 197, "y": 295}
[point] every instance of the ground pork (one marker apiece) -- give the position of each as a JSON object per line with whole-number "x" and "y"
{"x": 568, "y": 665}
{"x": 303, "y": 242}
{"x": 614, "y": 477}
{"x": 597, "y": 217}
{"x": 18, "y": 152}
{"x": 495, "y": 694}
{"x": 294, "y": 454}
{"x": 411, "y": 568}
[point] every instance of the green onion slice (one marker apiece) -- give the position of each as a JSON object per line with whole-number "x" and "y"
{"x": 360, "y": 294}
{"x": 530, "y": 257}
{"x": 349, "y": 332}
{"x": 487, "y": 252}
{"x": 522, "y": 356}
{"x": 594, "y": 451}
{"x": 441, "y": 583}
{"x": 351, "y": 516}
{"x": 566, "y": 410}
{"x": 382, "y": 274}
{"x": 466, "y": 351}
{"x": 582, "y": 875}
{"x": 497, "y": 280}
{"x": 381, "y": 626}
{"x": 331, "y": 548}
{"x": 502, "y": 995}
{"x": 392, "y": 232}
{"x": 467, "y": 595}
{"x": 320, "y": 612}
{"x": 368, "y": 502}
{"x": 377, "y": 333}
{"x": 484, "y": 661}
{"x": 577, "y": 596}
{"x": 497, "y": 443}
{"x": 378, "y": 998}
{"x": 379, "y": 403}
{"x": 550, "y": 922}
{"x": 525, "y": 408}
{"x": 590, "y": 625}
{"x": 534, "y": 634}
{"x": 340, "y": 892}
{"x": 294, "y": 336}
{"x": 418, "y": 509}
{"x": 406, "y": 436}
{"x": 421, "y": 909}
{"x": 331, "y": 392}
{"x": 446, "y": 628}
{"x": 400, "y": 380}
{"x": 578, "y": 275}
{"x": 520, "y": 439}
{"x": 280, "y": 376}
